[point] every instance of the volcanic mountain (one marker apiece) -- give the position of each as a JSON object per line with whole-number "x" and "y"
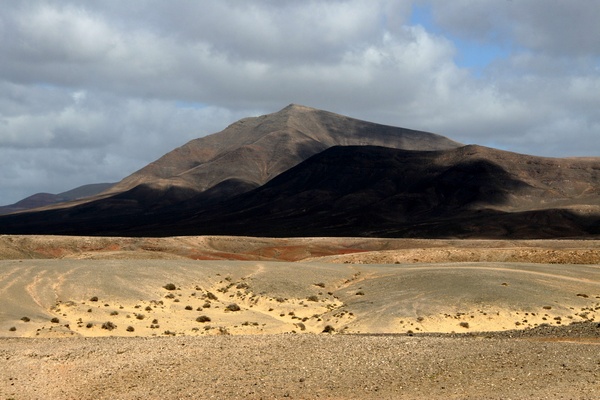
{"x": 306, "y": 172}
{"x": 250, "y": 152}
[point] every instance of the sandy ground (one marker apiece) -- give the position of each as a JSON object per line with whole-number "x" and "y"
{"x": 339, "y": 250}
{"x": 299, "y": 367}
{"x": 50, "y": 298}
{"x": 177, "y": 318}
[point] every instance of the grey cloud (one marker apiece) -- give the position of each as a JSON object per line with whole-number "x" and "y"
{"x": 558, "y": 28}
{"x": 91, "y": 91}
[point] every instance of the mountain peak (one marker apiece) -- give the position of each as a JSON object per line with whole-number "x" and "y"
{"x": 294, "y": 106}
{"x": 298, "y": 107}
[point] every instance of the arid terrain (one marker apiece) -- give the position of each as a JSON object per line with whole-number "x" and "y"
{"x": 242, "y": 317}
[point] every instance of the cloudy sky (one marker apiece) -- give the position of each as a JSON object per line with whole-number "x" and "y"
{"x": 92, "y": 91}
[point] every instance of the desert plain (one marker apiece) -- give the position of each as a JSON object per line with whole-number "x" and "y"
{"x": 338, "y": 318}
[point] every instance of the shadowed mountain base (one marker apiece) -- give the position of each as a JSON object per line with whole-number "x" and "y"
{"x": 469, "y": 192}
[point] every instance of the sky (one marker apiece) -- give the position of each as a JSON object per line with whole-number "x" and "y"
{"x": 92, "y": 91}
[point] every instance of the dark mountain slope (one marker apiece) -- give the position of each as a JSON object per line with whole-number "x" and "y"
{"x": 471, "y": 191}
{"x": 467, "y": 192}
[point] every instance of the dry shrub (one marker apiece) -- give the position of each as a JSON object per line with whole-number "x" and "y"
{"x": 108, "y": 326}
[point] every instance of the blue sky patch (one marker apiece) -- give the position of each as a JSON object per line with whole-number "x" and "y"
{"x": 475, "y": 55}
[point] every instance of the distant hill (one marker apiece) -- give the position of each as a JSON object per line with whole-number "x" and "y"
{"x": 306, "y": 172}
{"x": 46, "y": 199}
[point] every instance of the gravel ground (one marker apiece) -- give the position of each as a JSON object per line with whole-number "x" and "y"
{"x": 546, "y": 363}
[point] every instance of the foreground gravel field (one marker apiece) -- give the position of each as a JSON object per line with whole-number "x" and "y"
{"x": 555, "y": 364}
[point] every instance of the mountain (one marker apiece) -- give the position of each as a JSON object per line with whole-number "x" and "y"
{"x": 307, "y": 172}
{"x": 250, "y": 152}
{"x": 45, "y": 199}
